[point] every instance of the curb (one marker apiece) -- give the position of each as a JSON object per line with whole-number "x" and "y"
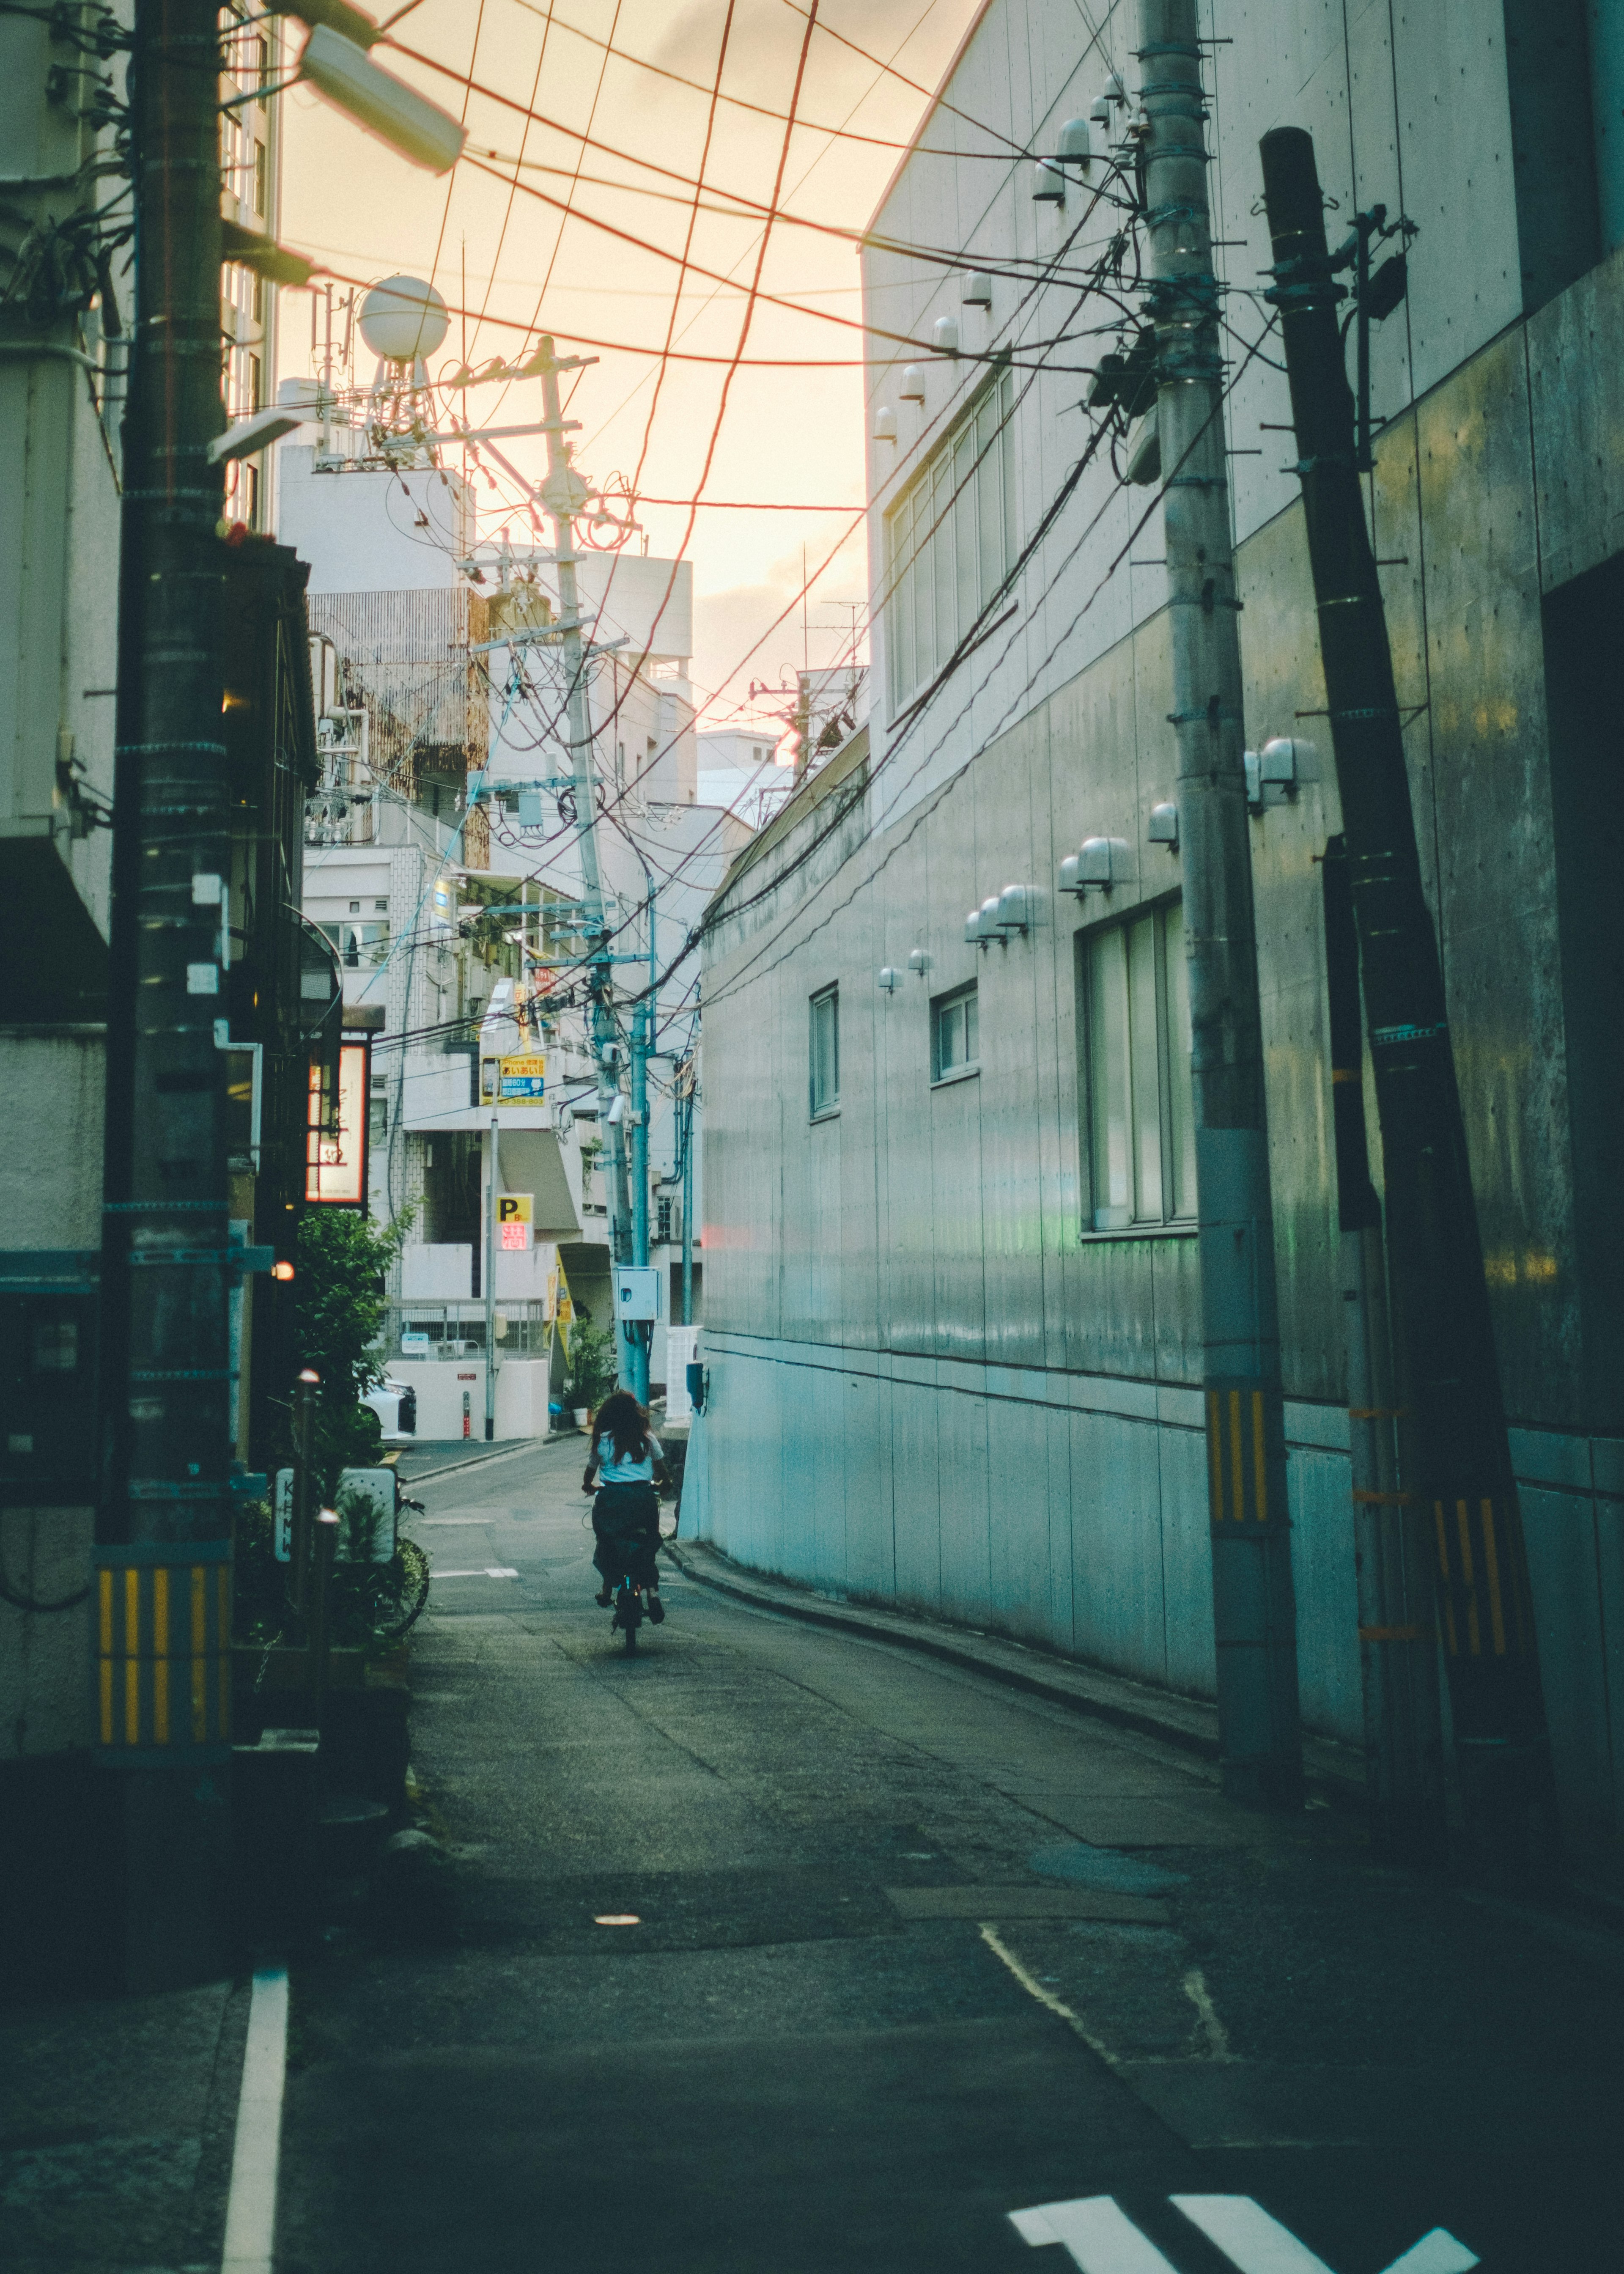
{"x": 483, "y": 1460}
{"x": 1144, "y": 1720}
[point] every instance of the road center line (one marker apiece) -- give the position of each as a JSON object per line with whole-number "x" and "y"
{"x": 483, "y": 1571}
{"x": 251, "y": 2207}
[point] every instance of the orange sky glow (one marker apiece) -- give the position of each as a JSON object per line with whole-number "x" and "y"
{"x": 493, "y": 238}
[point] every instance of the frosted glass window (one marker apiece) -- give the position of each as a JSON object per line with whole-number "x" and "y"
{"x": 949, "y": 542}
{"x": 1108, "y": 1081}
{"x": 956, "y": 1034}
{"x": 1139, "y": 1108}
{"x": 1181, "y": 1090}
{"x": 824, "y": 1051}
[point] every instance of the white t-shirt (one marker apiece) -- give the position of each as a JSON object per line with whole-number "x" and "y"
{"x": 614, "y": 1471}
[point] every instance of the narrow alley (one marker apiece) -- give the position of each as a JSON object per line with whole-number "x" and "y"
{"x": 772, "y": 1949}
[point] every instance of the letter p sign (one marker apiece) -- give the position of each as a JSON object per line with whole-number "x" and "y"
{"x": 516, "y": 1221}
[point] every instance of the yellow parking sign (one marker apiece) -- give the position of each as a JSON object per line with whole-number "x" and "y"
{"x": 516, "y": 1221}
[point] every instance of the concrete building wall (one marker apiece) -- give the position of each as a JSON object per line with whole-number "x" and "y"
{"x": 932, "y": 1381}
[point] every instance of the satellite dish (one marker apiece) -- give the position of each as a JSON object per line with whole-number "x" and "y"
{"x": 404, "y": 320}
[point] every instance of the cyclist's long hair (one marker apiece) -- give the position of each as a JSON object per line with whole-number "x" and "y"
{"x": 621, "y": 1418}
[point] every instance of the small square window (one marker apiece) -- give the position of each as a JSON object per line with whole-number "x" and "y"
{"x": 824, "y": 1051}
{"x": 355, "y": 907}
{"x": 382, "y": 907}
{"x": 955, "y": 1034}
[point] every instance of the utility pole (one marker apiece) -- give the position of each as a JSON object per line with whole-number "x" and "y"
{"x": 491, "y": 1179}
{"x": 690, "y": 1078}
{"x": 1403, "y": 1737}
{"x": 1254, "y": 1610}
{"x": 163, "y": 1519}
{"x": 563, "y": 493}
{"x": 642, "y": 1031}
{"x": 1457, "y": 1467}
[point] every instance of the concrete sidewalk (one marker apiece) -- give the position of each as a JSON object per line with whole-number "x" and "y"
{"x": 116, "y": 2121}
{"x": 1190, "y": 1723}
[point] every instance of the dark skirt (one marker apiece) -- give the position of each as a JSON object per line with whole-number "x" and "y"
{"x": 626, "y": 1519}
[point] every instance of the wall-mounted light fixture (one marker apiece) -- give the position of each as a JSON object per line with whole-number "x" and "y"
{"x": 1285, "y": 763}
{"x": 1048, "y": 183}
{"x": 1098, "y": 864}
{"x": 922, "y": 962}
{"x": 912, "y": 387}
{"x": 1074, "y": 146}
{"x": 885, "y": 424}
{"x": 944, "y": 335}
{"x": 976, "y": 290}
{"x": 1014, "y": 910}
{"x": 1164, "y": 826}
{"x": 888, "y": 980}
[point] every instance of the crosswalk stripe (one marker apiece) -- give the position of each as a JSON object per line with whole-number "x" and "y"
{"x": 1247, "y": 2236}
{"x": 1098, "y": 2234}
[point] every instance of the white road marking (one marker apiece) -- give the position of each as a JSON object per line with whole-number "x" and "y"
{"x": 250, "y": 2208}
{"x": 424, "y": 1520}
{"x": 484, "y": 1571}
{"x": 1100, "y": 2236}
{"x": 1247, "y": 2236}
{"x": 1437, "y": 2252}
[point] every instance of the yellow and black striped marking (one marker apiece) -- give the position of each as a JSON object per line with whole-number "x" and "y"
{"x": 1239, "y": 1447}
{"x": 1486, "y": 1609}
{"x": 163, "y": 1650}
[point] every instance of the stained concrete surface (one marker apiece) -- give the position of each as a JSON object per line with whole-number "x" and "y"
{"x": 117, "y": 2119}
{"x": 777, "y": 2071}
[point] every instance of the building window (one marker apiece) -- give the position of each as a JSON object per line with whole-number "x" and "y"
{"x": 665, "y": 1219}
{"x": 825, "y": 1051}
{"x": 1141, "y": 1114}
{"x": 255, "y": 381}
{"x": 949, "y": 542}
{"x": 955, "y": 1040}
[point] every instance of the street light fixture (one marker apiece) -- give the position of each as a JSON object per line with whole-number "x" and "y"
{"x": 419, "y": 130}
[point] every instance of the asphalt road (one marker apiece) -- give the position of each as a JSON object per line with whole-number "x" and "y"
{"x": 912, "y": 1953}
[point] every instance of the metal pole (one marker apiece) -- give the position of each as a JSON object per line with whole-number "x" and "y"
{"x": 163, "y": 1521}
{"x": 641, "y": 1032}
{"x": 562, "y": 494}
{"x": 299, "y": 1518}
{"x": 1459, "y": 1475}
{"x": 1254, "y": 1610}
{"x": 1403, "y": 1738}
{"x": 490, "y": 1285}
{"x": 691, "y": 1074}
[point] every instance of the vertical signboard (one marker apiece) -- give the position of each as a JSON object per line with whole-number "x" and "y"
{"x": 336, "y": 1150}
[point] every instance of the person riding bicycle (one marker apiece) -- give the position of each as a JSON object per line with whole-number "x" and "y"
{"x": 628, "y": 1456}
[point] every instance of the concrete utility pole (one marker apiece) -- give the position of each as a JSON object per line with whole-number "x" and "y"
{"x": 1254, "y": 1610}
{"x": 564, "y": 493}
{"x": 643, "y": 1033}
{"x": 163, "y": 1522}
{"x": 1458, "y": 1465}
{"x": 689, "y": 1081}
{"x": 493, "y": 1179}
{"x": 1403, "y": 1737}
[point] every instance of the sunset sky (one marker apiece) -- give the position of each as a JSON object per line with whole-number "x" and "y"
{"x": 505, "y": 252}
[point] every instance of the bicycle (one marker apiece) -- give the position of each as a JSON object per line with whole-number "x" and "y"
{"x": 400, "y": 1587}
